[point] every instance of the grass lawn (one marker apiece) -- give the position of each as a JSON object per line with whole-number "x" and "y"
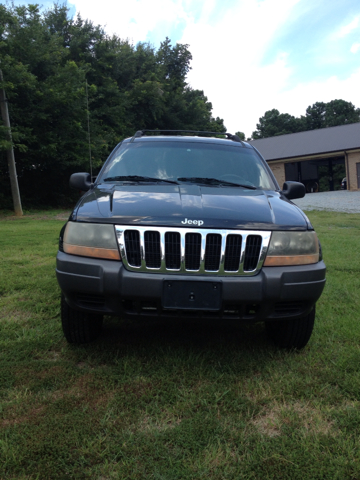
{"x": 174, "y": 400}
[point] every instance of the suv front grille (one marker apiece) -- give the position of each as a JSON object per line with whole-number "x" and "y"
{"x": 192, "y": 251}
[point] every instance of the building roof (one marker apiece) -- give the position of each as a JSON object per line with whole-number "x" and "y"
{"x": 311, "y": 142}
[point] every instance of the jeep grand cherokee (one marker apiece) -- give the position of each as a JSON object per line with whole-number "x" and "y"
{"x": 190, "y": 225}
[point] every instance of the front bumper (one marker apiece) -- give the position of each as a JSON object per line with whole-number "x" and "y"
{"x": 105, "y": 286}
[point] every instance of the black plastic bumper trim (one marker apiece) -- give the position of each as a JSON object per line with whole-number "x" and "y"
{"x": 119, "y": 287}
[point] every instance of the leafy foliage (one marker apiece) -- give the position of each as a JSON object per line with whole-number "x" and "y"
{"x": 336, "y": 112}
{"x": 276, "y": 123}
{"x": 318, "y": 115}
{"x": 47, "y": 60}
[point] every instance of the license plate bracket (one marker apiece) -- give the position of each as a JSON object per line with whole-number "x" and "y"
{"x": 192, "y": 295}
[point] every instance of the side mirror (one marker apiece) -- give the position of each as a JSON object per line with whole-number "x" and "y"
{"x": 80, "y": 181}
{"x": 293, "y": 190}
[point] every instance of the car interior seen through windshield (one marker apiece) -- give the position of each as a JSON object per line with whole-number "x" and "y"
{"x": 187, "y": 161}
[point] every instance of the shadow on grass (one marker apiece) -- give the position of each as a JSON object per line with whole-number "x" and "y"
{"x": 161, "y": 346}
{"x": 185, "y": 333}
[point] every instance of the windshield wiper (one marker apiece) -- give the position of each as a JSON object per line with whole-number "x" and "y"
{"x": 137, "y": 178}
{"x": 215, "y": 181}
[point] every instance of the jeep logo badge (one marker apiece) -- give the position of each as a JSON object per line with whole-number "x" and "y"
{"x": 193, "y": 222}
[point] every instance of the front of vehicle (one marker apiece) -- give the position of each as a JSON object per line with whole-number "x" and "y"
{"x": 195, "y": 226}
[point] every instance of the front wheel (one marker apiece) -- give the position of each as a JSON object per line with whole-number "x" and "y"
{"x": 291, "y": 333}
{"x": 79, "y": 327}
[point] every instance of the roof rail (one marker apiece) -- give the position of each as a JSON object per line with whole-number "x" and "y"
{"x": 229, "y": 136}
{"x": 138, "y": 134}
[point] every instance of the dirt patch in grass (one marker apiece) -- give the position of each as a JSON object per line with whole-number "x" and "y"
{"x": 29, "y": 381}
{"x": 29, "y": 375}
{"x": 138, "y": 388}
{"x": 302, "y": 416}
{"x": 15, "y": 315}
{"x": 268, "y": 424}
{"x": 313, "y": 420}
{"x": 82, "y": 365}
{"x": 147, "y": 424}
{"x": 32, "y": 416}
{"x": 84, "y": 383}
{"x": 81, "y": 388}
{"x": 53, "y": 356}
{"x": 84, "y": 388}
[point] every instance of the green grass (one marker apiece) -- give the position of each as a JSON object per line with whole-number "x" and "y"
{"x": 175, "y": 400}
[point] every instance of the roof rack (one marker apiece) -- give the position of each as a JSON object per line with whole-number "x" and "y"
{"x": 229, "y": 136}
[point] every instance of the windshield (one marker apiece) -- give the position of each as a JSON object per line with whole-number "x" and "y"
{"x": 188, "y": 161}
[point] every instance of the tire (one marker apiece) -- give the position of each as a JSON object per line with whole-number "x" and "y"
{"x": 291, "y": 334}
{"x": 79, "y": 327}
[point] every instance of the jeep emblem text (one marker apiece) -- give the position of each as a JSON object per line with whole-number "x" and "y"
{"x": 193, "y": 222}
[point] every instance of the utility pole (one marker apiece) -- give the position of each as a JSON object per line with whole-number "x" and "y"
{"x": 10, "y": 153}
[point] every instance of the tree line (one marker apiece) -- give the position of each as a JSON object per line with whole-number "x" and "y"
{"x": 60, "y": 73}
{"x": 318, "y": 115}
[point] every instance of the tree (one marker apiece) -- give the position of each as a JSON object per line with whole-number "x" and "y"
{"x": 48, "y": 58}
{"x": 174, "y": 63}
{"x": 318, "y": 115}
{"x": 331, "y": 114}
{"x": 6, "y": 130}
{"x": 276, "y": 123}
{"x": 241, "y": 135}
{"x": 315, "y": 116}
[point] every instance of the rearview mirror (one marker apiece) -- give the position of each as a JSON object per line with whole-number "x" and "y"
{"x": 293, "y": 190}
{"x": 80, "y": 181}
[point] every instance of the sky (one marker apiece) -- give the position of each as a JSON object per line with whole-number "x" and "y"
{"x": 249, "y": 56}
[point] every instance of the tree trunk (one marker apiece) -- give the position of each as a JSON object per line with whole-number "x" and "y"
{"x": 10, "y": 153}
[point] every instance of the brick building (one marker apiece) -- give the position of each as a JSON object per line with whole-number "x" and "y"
{"x": 317, "y": 158}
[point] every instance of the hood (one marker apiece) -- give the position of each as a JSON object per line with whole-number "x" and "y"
{"x": 189, "y": 206}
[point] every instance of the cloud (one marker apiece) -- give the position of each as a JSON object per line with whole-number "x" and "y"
{"x": 264, "y": 90}
{"x": 228, "y": 64}
{"x": 134, "y": 19}
{"x": 230, "y": 41}
{"x": 355, "y": 48}
{"x": 346, "y": 29}
{"x": 227, "y": 60}
{"x": 301, "y": 96}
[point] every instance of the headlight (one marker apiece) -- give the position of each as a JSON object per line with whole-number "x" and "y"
{"x": 91, "y": 240}
{"x": 292, "y": 248}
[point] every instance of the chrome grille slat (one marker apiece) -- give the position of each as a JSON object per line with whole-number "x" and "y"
{"x": 222, "y": 256}
{"x": 202, "y": 254}
{"x": 142, "y": 248}
{"x": 192, "y": 251}
{"x": 242, "y": 254}
{"x": 162, "y": 250}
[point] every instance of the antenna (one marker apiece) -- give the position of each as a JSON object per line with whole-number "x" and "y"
{"x": 88, "y": 125}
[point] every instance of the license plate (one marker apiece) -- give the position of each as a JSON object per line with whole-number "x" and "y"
{"x": 191, "y": 295}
